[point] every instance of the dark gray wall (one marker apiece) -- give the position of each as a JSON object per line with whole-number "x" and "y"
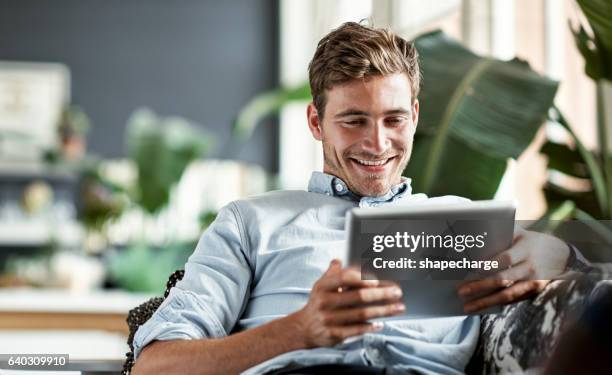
{"x": 201, "y": 59}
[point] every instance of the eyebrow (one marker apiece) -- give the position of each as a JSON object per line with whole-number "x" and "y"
{"x": 356, "y": 112}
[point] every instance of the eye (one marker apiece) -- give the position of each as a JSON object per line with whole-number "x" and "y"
{"x": 355, "y": 122}
{"x": 396, "y": 120}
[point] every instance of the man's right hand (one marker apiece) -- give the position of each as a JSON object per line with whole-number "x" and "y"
{"x": 339, "y": 306}
{"x": 341, "y": 303}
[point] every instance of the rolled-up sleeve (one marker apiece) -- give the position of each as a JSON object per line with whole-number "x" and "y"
{"x": 213, "y": 293}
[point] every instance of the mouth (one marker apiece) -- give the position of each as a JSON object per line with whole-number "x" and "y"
{"x": 372, "y": 166}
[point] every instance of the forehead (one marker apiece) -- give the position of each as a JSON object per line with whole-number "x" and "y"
{"x": 375, "y": 93}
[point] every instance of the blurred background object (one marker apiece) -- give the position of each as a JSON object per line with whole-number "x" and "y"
{"x": 32, "y": 98}
{"x": 86, "y": 171}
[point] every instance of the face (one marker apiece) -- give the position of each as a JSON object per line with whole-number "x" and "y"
{"x": 367, "y": 132}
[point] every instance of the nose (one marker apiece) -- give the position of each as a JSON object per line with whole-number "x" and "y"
{"x": 377, "y": 140}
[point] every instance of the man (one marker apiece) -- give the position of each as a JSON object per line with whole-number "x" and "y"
{"x": 263, "y": 289}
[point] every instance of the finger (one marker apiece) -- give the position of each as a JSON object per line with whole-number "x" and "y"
{"x": 328, "y": 276}
{"x": 516, "y": 292}
{"x": 502, "y": 279}
{"x": 333, "y": 268}
{"x": 386, "y": 283}
{"x": 362, "y": 314}
{"x": 362, "y": 296}
{"x": 344, "y": 332}
{"x": 514, "y": 255}
{"x": 480, "y": 288}
{"x": 346, "y": 277}
{"x": 378, "y": 284}
{"x": 519, "y": 232}
{"x": 334, "y": 265}
{"x": 521, "y": 271}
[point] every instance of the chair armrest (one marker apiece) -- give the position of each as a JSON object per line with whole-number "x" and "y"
{"x": 142, "y": 313}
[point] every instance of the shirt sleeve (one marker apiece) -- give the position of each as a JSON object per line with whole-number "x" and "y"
{"x": 212, "y": 295}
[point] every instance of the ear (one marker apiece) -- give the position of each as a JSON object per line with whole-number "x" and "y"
{"x": 314, "y": 122}
{"x": 415, "y": 112}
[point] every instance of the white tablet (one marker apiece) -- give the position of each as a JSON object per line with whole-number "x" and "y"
{"x": 430, "y": 249}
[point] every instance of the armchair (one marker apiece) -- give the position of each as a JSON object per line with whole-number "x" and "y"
{"x": 521, "y": 337}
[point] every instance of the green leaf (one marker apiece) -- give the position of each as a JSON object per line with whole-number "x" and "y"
{"x": 596, "y": 225}
{"x": 556, "y": 214}
{"x": 161, "y": 148}
{"x": 470, "y": 174}
{"x": 597, "y": 48}
{"x": 585, "y": 200}
{"x": 265, "y": 104}
{"x": 476, "y": 112}
{"x": 593, "y": 166}
{"x": 565, "y": 160}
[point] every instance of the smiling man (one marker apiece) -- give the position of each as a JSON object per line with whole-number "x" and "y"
{"x": 263, "y": 291}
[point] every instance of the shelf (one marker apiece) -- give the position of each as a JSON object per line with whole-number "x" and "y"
{"x": 31, "y": 233}
{"x": 20, "y": 170}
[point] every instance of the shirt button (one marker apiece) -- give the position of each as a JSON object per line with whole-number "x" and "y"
{"x": 339, "y": 187}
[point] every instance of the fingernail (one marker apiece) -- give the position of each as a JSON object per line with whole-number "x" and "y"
{"x": 400, "y": 307}
{"x": 397, "y": 292}
{"x": 377, "y": 325}
{"x": 464, "y": 292}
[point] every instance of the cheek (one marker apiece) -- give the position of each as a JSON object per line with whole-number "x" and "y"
{"x": 404, "y": 138}
{"x": 343, "y": 140}
{"x": 409, "y": 130}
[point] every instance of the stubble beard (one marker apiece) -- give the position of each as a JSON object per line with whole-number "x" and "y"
{"x": 373, "y": 185}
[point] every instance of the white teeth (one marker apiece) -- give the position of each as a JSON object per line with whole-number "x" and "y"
{"x": 372, "y": 162}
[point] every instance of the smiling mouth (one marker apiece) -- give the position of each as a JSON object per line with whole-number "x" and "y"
{"x": 373, "y": 164}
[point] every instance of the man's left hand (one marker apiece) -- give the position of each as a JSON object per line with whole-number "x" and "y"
{"x": 527, "y": 267}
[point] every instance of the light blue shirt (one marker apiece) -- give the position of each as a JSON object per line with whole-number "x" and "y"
{"x": 259, "y": 260}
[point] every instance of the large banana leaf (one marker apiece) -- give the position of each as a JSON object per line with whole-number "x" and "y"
{"x": 596, "y": 48}
{"x": 476, "y": 112}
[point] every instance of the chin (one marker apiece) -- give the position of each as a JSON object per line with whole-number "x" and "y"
{"x": 375, "y": 190}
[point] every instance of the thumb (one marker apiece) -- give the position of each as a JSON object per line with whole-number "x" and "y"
{"x": 333, "y": 265}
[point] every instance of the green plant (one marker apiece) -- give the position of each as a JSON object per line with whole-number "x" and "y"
{"x": 161, "y": 149}
{"x": 145, "y": 268}
{"x": 593, "y": 168}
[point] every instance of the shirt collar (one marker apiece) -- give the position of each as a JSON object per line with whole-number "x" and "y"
{"x": 330, "y": 185}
